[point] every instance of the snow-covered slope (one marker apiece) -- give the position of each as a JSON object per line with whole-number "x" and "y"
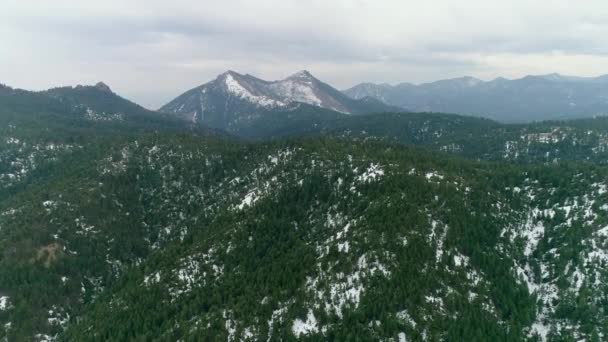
{"x": 233, "y": 99}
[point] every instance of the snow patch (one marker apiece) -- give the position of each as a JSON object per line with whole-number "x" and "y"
{"x": 249, "y": 200}
{"x": 404, "y": 316}
{"x": 234, "y": 87}
{"x": 373, "y": 172}
{"x": 433, "y": 175}
{"x": 152, "y": 279}
{"x": 4, "y": 303}
{"x": 307, "y": 327}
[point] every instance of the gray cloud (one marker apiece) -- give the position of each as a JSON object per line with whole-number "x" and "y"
{"x": 153, "y": 50}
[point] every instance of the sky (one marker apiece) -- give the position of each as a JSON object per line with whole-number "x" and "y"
{"x": 150, "y": 51}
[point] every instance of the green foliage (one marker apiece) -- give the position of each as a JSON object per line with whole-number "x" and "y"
{"x": 137, "y": 230}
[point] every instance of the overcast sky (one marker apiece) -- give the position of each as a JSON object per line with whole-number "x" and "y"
{"x": 150, "y": 50}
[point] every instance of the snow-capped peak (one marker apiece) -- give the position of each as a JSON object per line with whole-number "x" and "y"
{"x": 227, "y": 73}
{"x": 302, "y": 74}
{"x": 233, "y": 98}
{"x": 235, "y": 87}
{"x": 299, "y": 87}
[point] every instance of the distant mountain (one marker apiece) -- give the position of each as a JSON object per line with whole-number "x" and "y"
{"x": 233, "y": 100}
{"x": 100, "y": 103}
{"x": 544, "y": 97}
{"x": 82, "y": 110}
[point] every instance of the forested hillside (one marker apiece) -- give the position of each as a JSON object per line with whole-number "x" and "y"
{"x": 168, "y": 237}
{"x": 366, "y": 229}
{"x": 470, "y": 137}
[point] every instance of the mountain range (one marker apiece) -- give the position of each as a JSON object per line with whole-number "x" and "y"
{"x": 531, "y": 98}
{"x": 119, "y": 223}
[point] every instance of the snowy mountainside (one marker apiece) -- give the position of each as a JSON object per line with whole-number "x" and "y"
{"x": 233, "y": 99}
{"x": 190, "y": 238}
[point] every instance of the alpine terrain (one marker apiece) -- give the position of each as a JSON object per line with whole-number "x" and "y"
{"x": 119, "y": 223}
{"x": 233, "y": 101}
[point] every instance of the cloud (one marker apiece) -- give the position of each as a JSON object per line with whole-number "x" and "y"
{"x": 153, "y": 50}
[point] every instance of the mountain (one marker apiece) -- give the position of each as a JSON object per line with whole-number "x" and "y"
{"x": 233, "y": 100}
{"x": 532, "y": 98}
{"x": 82, "y": 110}
{"x": 392, "y": 227}
{"x": 36, "y": 128}
{"x": 100, "y": 104}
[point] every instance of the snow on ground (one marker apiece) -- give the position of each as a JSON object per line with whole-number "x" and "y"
{"x": 307, "y": 327}
{"x": 277, "y": 317}
{"x": 542, "y": 277}
{"x": 296, "y": 91}
{"x": 193, "y": 271}
{"x": 299, "y": 88}
{"x": 333, "y": 290}
{"x": 264, "y": 179}
{"x": 4, "y": 303}
{"x": 532, "y": 231}
{"x": 346, "y": 291}
{"x": 248, "y": 334}
{"x": 461, "y": 260}
{"x": 372, "y": 267}
{"x": 239, "y": 90}
{"x": 152, "y": 278}
{"x": 249, "y": 199}
{"x": 405, "y": 317}
{"x": 12, "y": 141}
{"x": 338, "y": 291}
{"x": 115, "y": 167}
{"x": 436, "y": 301}
{"x": 58, "y": 317}
{"x": 230, "y": 325}
{"x": 373, "y": 172}
{"x": 49, "y": 206}
{"x": 541, "y": 329}
{"x": 21, "y": 158}
{"x": 105, "y": 117}
{"x": 437, "y": 235}
{"x": 433, "y": 175}
{"x": 44, "y": 338}
{"x": 83, "y": 228}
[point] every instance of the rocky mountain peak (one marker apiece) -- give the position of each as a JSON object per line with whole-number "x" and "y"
{"x": 233, "y": 98}
{"x": 302, "y": 74}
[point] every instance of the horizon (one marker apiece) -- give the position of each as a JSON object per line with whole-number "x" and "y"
{"x": 181, "y": 91}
